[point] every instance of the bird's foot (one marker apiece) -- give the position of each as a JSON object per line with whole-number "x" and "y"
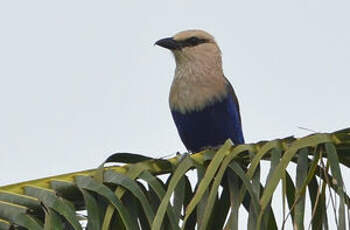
{"x": 177, "y": 154}
{"x": 182, "y": 156}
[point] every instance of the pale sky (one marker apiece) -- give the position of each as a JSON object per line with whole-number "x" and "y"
{"x": 81, "y": 79}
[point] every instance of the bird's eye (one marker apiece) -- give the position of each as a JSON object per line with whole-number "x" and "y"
{"x": 193, "y": 41}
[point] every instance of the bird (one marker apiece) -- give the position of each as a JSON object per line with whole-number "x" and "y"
{"x": 202, "y": 101}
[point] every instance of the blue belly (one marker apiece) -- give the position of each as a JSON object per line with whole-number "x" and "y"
{"x": 211, "y": 126}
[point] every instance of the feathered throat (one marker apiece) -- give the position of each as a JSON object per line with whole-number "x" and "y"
{"x": 194, "y": 89}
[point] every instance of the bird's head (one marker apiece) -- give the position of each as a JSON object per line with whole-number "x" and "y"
{"x": 192, "y": 46}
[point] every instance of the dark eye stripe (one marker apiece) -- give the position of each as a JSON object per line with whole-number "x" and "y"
{"x": 192, "y": 41}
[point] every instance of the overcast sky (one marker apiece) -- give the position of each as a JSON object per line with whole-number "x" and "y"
{"x": 81, "y": 80}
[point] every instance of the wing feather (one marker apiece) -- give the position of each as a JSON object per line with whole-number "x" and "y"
{"x": 235, "y": 99}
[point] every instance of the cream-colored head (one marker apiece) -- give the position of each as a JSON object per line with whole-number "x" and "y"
{"x": 199, "y": 78}
{"x": 192, "y": 46}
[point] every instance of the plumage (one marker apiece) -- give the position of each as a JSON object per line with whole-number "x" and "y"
{"x": 203, "y": 103}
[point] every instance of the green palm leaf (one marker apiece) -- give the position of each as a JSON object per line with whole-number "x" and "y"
{"x": 136, "y": 195}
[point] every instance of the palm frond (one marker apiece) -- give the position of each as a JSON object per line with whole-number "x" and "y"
{"x": 146, "y": 193}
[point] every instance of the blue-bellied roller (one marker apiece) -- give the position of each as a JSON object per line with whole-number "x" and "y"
{"x": 203, "y": 103}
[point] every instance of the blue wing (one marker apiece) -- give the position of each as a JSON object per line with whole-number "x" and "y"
{"x": 211, "y": 126}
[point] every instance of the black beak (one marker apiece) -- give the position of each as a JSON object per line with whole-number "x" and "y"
{"x": 168, "y": 43}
